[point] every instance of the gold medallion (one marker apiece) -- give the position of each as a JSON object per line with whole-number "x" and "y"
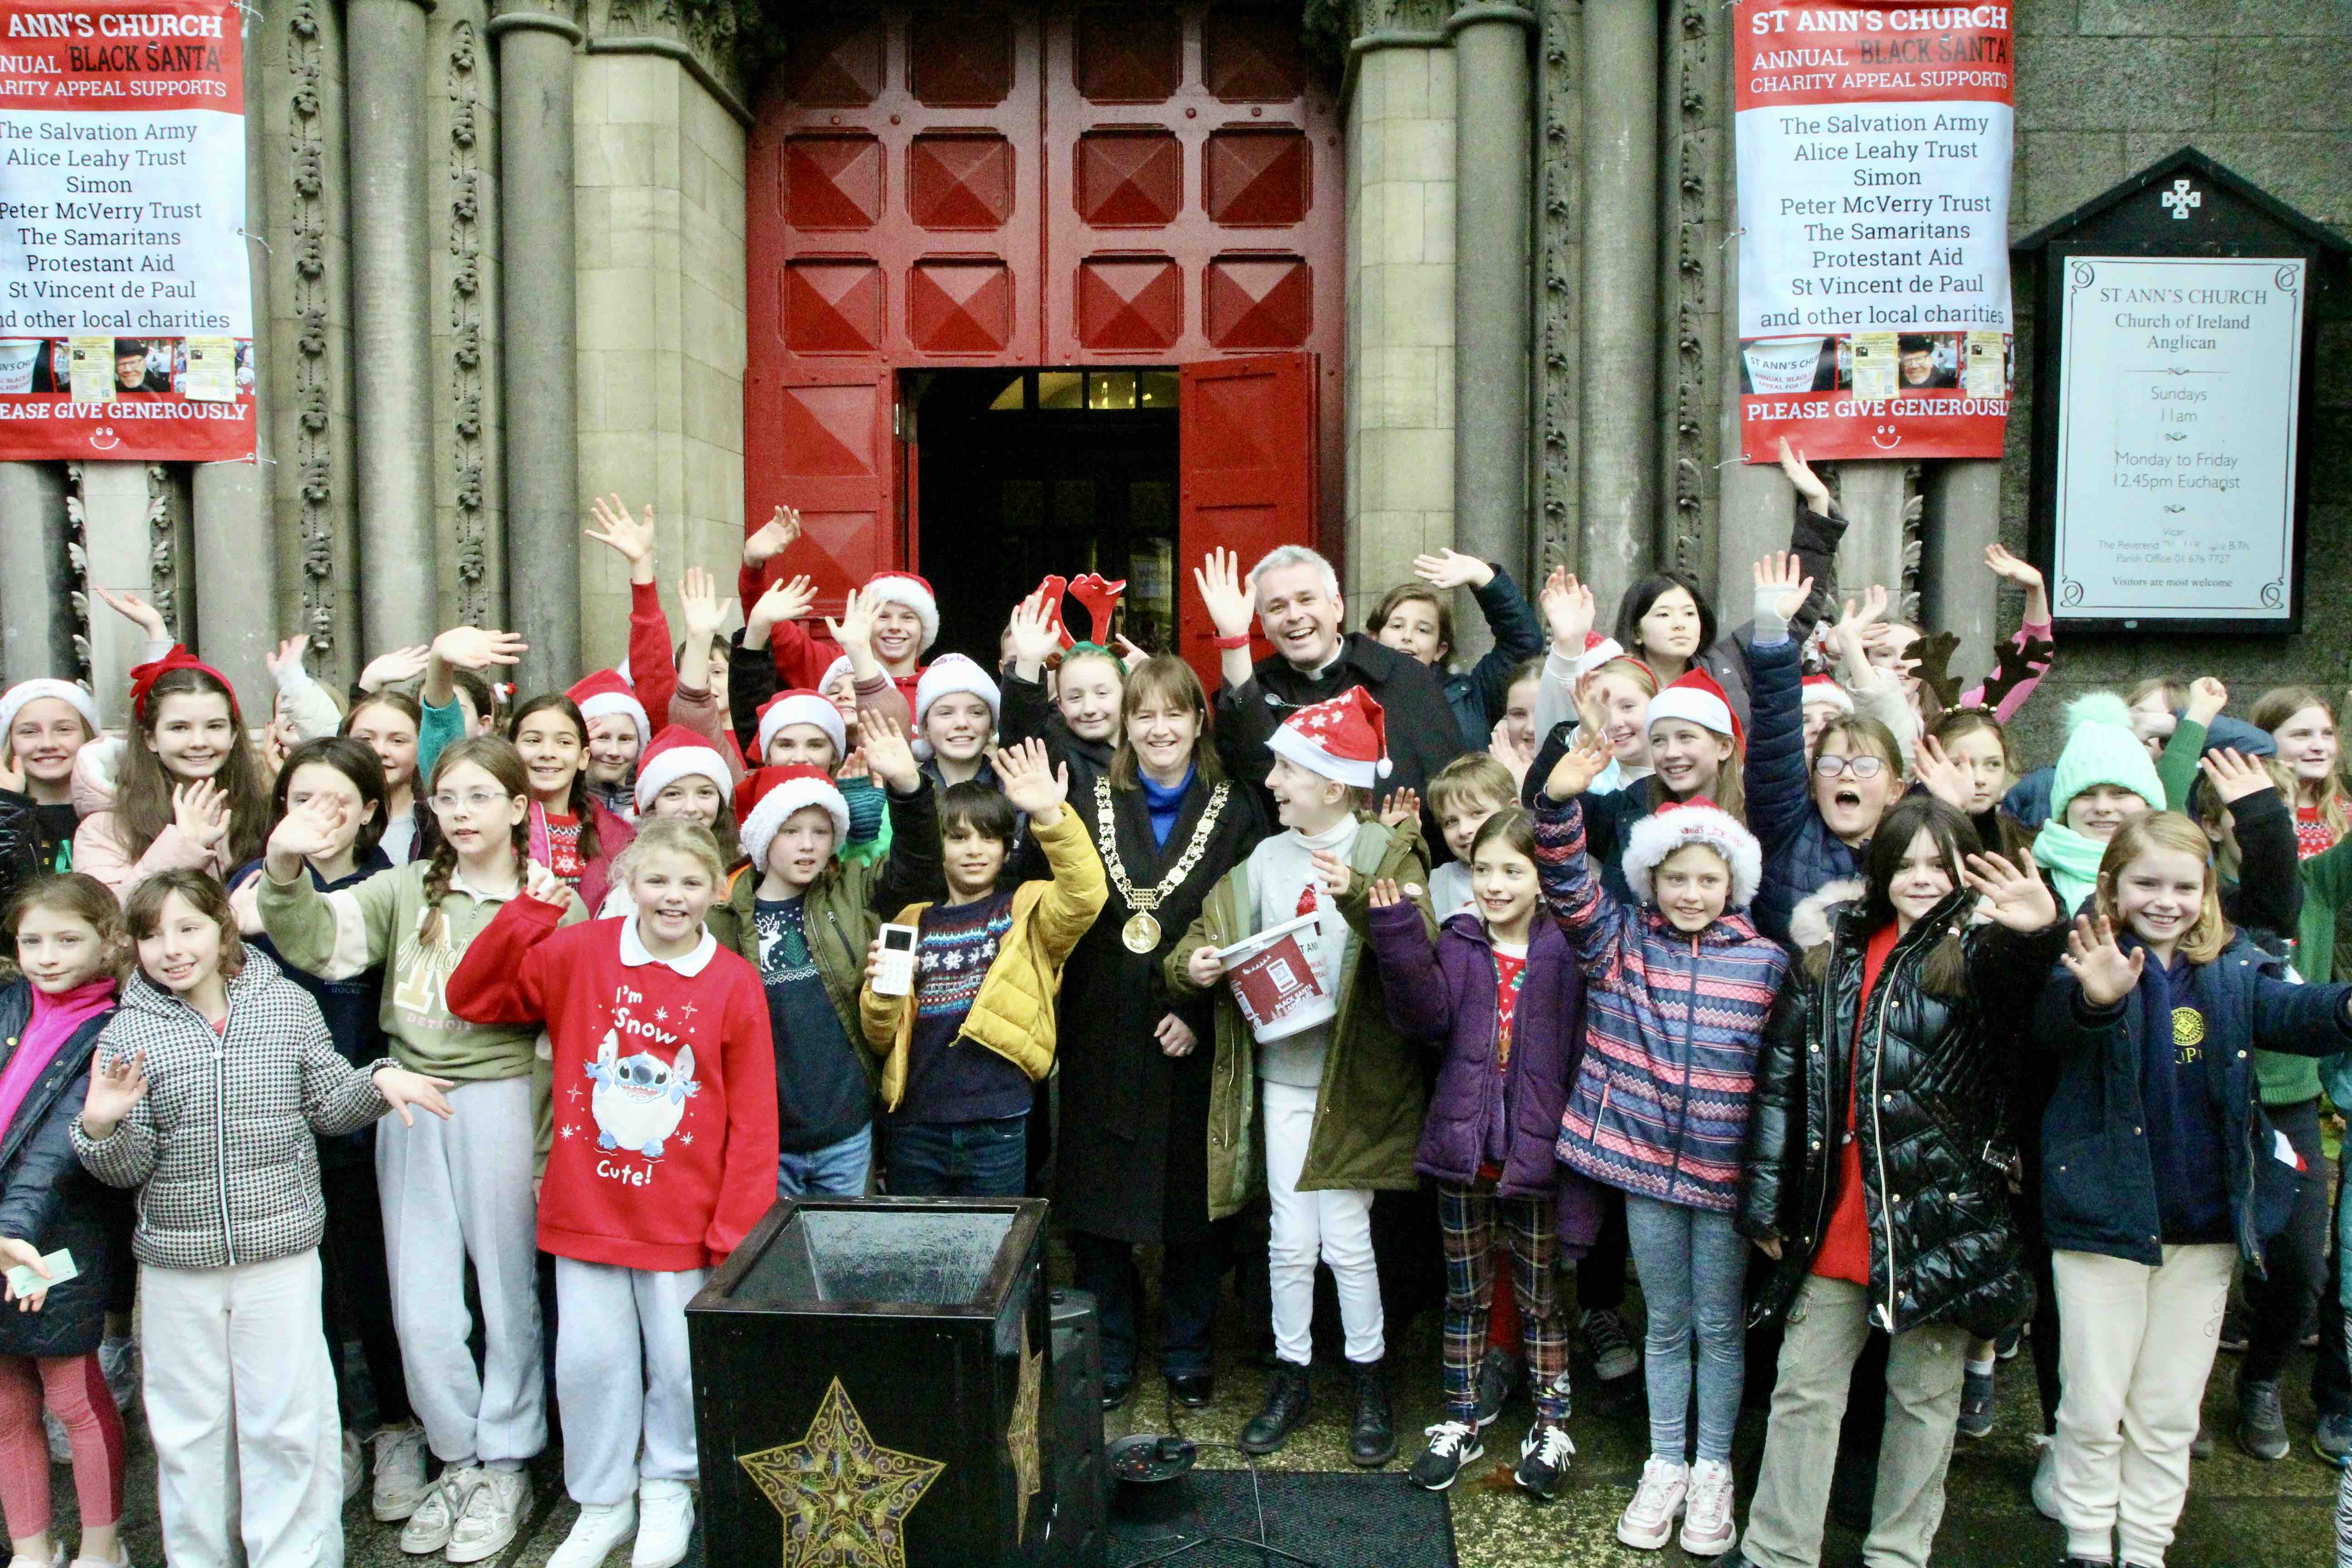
{"x": 1142, "y": 932}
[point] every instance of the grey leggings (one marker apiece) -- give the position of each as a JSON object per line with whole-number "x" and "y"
{"x": 1693, "y": 1265}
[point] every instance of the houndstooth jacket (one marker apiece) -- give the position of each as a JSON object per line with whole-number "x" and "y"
{"x": 221, "y": 1146}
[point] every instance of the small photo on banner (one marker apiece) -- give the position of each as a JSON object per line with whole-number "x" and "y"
{"x": 1872, "y": 142}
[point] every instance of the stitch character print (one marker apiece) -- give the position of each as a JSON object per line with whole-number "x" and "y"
{"x": 639, "y": 1099}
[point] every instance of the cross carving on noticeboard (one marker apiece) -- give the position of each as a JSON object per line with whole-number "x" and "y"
{"x": 2180, "y": 198}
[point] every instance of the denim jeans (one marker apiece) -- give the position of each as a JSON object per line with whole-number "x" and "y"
{"x": 836, "y": 1171}
{"x": 1693, "y": 1265}
{"x": 959, "y": 1159}
{"x": 1189, "y": 1272}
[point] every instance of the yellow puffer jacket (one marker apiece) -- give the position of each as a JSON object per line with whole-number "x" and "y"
{"x": 1013, "y": 1014}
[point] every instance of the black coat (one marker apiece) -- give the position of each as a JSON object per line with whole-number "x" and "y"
{"x": 1134, "y": 1158}
{"x": 1422, "y": 733}
{"x": 1935, "y": 1145}
{"x": 46, "y": 1196}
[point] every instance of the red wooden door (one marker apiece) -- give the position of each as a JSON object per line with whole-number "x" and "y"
{"x": 829, "y": 450}
{"x": 1247, "y": 475}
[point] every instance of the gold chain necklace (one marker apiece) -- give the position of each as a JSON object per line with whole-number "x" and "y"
{"x": 1141, "y": 932}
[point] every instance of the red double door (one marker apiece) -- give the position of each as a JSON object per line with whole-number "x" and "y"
{"x": 1019, "y": 185}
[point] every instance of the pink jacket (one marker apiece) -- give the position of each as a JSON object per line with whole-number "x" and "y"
{"x": 98, "y": 849}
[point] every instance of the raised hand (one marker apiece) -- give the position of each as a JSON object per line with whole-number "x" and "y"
{"x": 12, "y": 772}
{"x": 888, "y": 755}
{"x": 200, "y": 811}
{"x": 1336, "y": 875}
{"x": 1175, "y": 1035}
{"x": 786, "y": 600}
{"x": 853, "y": 633}
{"x": 17, "y": 1253}
{"x": 773, "y": 538}
{"x": 1447, "y": 570}
{"x": 1591, "y": 707}
{"x": 400, "y": 664}
{"x": 289, "y": 652}
{"x": 1231, "y": 605}
{"x": 1809, "y": 484}
{"x": 1127, "y": 652}
{"x": 1505, "y": 749}
{"x": 1035, "y": 639}
{"x": 1577, "y": 766}
{"x": 853, "y": 766}
{"x": 543, "y": 884}
{"x": 1782, "y": 588}
{"x": 135, "y": 609}
{"x": 2011, "y": 568}
{"x": 307, "y": 831}
{"x": 402, "y": 1089}
{"x": 2093, "y": 958}
{"x": 1401, "y": 806}
{"x": 115, "y": 1086}
{"x": 1567, "y": 611}
{"x": 1029, "y": 781}
{"x": 700, "y": 605}
{"x": 2207, "y": 698}
{"x": 632, "y": 537}
{"x": 2015, "y": 896}
{"x": 1933, "y": 770}
{"x": 1850, "y": 631}
{"x": 478, "y": 648}
{"x": 1384, "y": 894}
{"x": 2233, "y": 776}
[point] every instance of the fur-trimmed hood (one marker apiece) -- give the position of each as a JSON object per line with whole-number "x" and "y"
{"x": 1814, "y": 920}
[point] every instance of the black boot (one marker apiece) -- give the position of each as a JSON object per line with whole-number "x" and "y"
{"x": 1373, "y": 1442}
{"x": 1290, "y": 1395}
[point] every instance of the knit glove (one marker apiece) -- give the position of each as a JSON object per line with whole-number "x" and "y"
{"x": 1770, "y": 627}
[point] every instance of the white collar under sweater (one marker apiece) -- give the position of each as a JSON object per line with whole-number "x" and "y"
{"x": 635, "y": 956}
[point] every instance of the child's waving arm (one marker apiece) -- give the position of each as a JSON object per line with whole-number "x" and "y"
{"x": 115, "y": 1136}
{"x": 1574, "y": 895}
{"x": 1410, "y": 979}
{"x": 747, "y": 1178}
{"x": 1079, "y": 890}
{"x": 2300, "y": 1020}
{"x": 503, "y": 979}
{"x": 331, "y": 935}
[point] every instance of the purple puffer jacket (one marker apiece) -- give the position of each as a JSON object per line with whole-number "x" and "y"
{"x": 1445, "y": 997}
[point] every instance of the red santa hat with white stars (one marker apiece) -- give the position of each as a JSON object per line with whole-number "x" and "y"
{"x": 1345, "y": 738}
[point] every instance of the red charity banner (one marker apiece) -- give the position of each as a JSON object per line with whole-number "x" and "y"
{"x": 1874, "y": 150}
{"x": 122, "y": 246}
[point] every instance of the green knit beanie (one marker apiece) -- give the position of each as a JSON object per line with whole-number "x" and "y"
{"x": 2102, "y": 750}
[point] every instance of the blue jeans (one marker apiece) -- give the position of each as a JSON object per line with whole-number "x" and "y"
{"x": 835, "y": 1171}
{"x": 1693, "y": 1265}
{"x": 1189, "y": 1274}
{"x": 959, "y": 1159}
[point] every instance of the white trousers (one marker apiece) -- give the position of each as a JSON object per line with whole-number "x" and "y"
{"x": 241, "y": 1402}
{"x": 622, "y": 1375}
{"x": 1335, "y": 1226}
{"x": 455, "y": 1190}
{"x": 2135, "y": 1346}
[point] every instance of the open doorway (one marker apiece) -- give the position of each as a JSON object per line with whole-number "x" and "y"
{"x": 1021, "y": 474}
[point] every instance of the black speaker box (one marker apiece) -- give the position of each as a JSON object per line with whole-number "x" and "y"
{"x": 1078, "y": 1533}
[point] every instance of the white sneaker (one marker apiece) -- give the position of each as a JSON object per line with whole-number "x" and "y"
{"x": 354, "y": 1466}
{"x": 118, "y": 1362}
{"x": 601, "y": 1526}
{"x": 122, "y": 1558}
{"x": 1706, "y": 1520}
{"x": 2045, "y": 1477}
{"x": 1648, "y": 1521}
{"x": 488, "y": 1522}
{"x": 400, "y": 1484}
{"x": 435, "y": 1520}
{"x": 57, "y": 1557}
{"x": 665, "y": 1524}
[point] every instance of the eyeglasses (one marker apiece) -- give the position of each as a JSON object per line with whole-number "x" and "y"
{"x": 476, "y": 800}
{"x": 1836, "y": 766}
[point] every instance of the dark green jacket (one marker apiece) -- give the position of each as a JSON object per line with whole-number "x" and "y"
{"x": 846, "y": 905}
{"x": 1368, "y": 1115}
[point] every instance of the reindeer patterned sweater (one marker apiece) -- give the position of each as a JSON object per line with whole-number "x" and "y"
{"x": 664, "y": 1149}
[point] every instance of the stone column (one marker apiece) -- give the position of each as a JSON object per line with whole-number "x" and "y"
{"x": 392, "y": 343}
{"x": 36, "y": 626}
{"x": 1493, "y": 178}
{"x": 1619, "y": 438}
{"x": 1873, "y": 495}
{"x": 540, "y": 332}
{"x": 1956, "y": 594}
{"x": 235, "y": 532}
{"x": 116, "y": 534}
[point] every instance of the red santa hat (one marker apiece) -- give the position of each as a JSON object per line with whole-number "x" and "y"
{"x": 799, "y": 706}
{"x": 905, "y": 588}
{"x": 604, "y": 695}
{"x": 767, "y": 796}
{"x": 1695, "y": 697}
{"x": 952, "y": 673}
{"x": 144, "y": 675}
{"x": 834, "y": 671}
{"x": 1697, "y": 820}
{"x": 14, "y": 700}
{"x": 677, "y": 752}
{"x": 1821, "y": 688}
{"x": 1345, "y": 739}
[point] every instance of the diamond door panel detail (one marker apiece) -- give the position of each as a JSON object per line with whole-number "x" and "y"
{"x": 960, "y": 60}
{"x": 833, "y": 307}
{"x": 832, "y": 182}
{"x": 1128, "y": 55}
{"x": 959, "y": 307}
{"x": 1250, "y": 54}
{"x": 1257, "y": 179}
{"x": 1130, "y": 179}
{"x": 1259, "y": 303}
{"x": 836, "y": 63}
{"x": 960, "y": 182}
{"x": 1130, "y": 305}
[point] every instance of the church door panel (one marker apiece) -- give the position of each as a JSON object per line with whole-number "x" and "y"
{"x": 1246, "y": 431}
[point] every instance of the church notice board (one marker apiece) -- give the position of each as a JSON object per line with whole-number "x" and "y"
{"x": 2172, "y": 394}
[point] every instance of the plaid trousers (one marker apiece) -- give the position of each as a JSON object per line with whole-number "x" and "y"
{"x": 1467, "y": 1220}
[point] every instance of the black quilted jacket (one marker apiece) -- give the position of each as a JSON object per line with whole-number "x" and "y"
{"x": 1935, "y": 1147}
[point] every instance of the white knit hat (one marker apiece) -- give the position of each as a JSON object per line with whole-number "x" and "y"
{"x": 803, "y": 707}
{"x": 13, "y": 700}
{"x": 767, "y": 797}
{"x": 949, "y": 674}
{"x": 677, "y": 752}
{"x": 908, "y": 589}
{"x": 1697, "y": 820}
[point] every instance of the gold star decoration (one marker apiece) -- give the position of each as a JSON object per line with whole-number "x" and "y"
{"x": 1021, "y": 1437}
{"x": 844, "y": 1497}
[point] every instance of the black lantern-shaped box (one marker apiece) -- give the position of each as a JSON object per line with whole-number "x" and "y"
{"x": 869, "y": 1377}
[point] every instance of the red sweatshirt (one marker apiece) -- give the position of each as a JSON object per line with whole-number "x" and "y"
{"x": 801, "y": 659}
{"x": 665, "y": 1085}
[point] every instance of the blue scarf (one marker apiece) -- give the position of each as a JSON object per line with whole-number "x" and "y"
{"x": 1163, "y": 801}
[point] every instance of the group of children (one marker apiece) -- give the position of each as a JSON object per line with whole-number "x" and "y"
{"x": 1715, "y": 950}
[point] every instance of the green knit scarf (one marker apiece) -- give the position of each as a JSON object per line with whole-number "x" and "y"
{"x": 2072, "y": 861}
